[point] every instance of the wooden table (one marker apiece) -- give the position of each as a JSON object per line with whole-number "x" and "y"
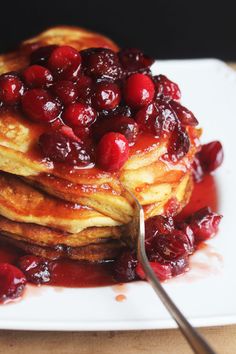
{"x": 223, "y": 339}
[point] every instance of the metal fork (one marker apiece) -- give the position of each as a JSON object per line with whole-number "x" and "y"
{"x": 195, "y": 340}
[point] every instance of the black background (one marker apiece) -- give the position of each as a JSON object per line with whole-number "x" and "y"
{"x": 162, "y": 28}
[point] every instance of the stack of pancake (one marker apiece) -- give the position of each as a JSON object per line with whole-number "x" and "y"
{"x": 79, "y": 213}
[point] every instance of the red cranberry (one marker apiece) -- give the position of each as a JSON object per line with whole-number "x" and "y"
{"x": 65, "y": 62}
{"x": 124, "y": 125}
{"x": 79, "y": 115}
{"x": 36, "y": 76}
{"x": 162, "y": 271}
{"x": 178, "y": 145}
{"x": 36, "y": 269}
{"x": 40, "y": 106}
{"x": 106, "y": 96}
{"x": 166, "y": 88}
{"x": 11, "y": 89}
{"x": 133, "y": 60}
{"x": 69, "y": 133}
{"x": 211, "y": 156}
{"x": 66, "y": 91}
{"x": 204, "y": 224}
{"x": 59, "y": 148}
{"x": 12, "y": 282}
{"x": 124, "y": 267}
{"x": 197, "y": 169}
{"x": 84, "y": 87}
{"x": 138, "y": 90}
{"x": 185, "y": 116}
{"x": 101, "y": 63}
{"x": 179, "y": 266}
{"x": 40, "y": 56}
{"x": 112, "y": 151}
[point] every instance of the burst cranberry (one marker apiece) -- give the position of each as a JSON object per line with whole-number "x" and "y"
{"x": 66, "y": 91}
{"x": 36, "y": 269}
{"x": 12, "y": 282}
{"x": 157, "y": 225}
{"x": 133, "y": 60}
{"x": 59, "y": 148}
{"x": 84, "y": 87}
{"x": 65, "y": 62}
{"x": 204, "y": 224}
{"x": 185, "y": 116}
{"x": 101, "y": 63}
{"x": 179, "y": 266}
{"x": 69, "y": 133}
{"x": 197, "y": 169}
{"x": 106, "y": 96}
{"x": 211, "y": 156}
{"x": 124, "y": 125}
{"x": 112, "y": 151}
{"x": 162, "y": 271}
{"x": 40, "y": 56}
{"x": 138, "y": 90}
{"x": 124, "y": 267}
{"x": 178, "y": 145}
{"x": 37, "y": 76}
{"x": 166, "y": 88}
{"x": 156, "y": 118}
{"x": 40, "y": 106}
{"x": 11, "y": 89}
{"x": 79, "y": 115}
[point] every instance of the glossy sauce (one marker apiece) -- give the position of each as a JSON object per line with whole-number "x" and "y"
{"x": 70, "y": 273}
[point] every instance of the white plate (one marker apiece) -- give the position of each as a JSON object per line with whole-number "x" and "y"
{"x": 206, "y": 297}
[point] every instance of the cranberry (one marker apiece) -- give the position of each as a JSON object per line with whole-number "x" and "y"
{"x": 157, "y": 118}
{"x": 40, "y": 106}
{"x": 69, "y": 133}
{"x": 185, "y": 116}
{"x": 65, "y": 63}
{"x": 59, "y": 148}
{"x": 84, "y": 87}
{"x": 133, "y": 60}
{"x": 124, "y": 125}
{"x": 211, "y": 156}
{"x": 40, "y": 55}
{"x": 12, "y": 282}
{"x": 101, "y": 63}
{"x": 11, "y": 89}
{"x": 162, "y": 271}
{"x": 179, "y": 266}
{"x": 204, "y": 224}
{"x": 36, "y": 269}
{"x": 124, "y": 267}
{"x": 106, "y": 95}
{"x": 79, "y": 115}
{"x": 66, "y": 91}
{"x": 178, "y": 145}
{"x": 166, "y": 88}
{"x": 138, "y": 90}
{"x": 112, "y": 151}
{"x": 197, "y": 169}
{"x": 37, "y": 76}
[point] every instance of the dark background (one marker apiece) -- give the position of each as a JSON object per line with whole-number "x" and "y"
{"x": 162, "y": 28}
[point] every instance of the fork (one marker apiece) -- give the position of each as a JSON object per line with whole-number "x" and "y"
{"x": 194, "y": 338}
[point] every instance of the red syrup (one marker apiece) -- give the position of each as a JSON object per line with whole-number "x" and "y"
{"x": 77, "y": 274}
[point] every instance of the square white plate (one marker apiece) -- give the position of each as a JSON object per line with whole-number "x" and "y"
{"x": 207, "y": 298}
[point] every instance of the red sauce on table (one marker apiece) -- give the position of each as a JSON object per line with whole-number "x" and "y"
{"x": 70, "y": 273}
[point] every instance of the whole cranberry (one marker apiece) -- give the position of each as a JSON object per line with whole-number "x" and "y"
{"x": 40, "y": 55}
{"x": 65, "y": 63}
{"x": 162, "y": 271}
{"x": 112, "y": 152}
{"x": 36, "y": 269}
{"x": 40, "y": 106}
{"x": 166, "y": 88}
{"x": 211, "y": 156}
{"x": 178, "y": 145}
{"x": 36, "y": 76}
{"x": 79, "y": 115}
{"x": 66, "y": 91}
{"x": 101, "y": 63}
{"x": 59, "y": 148}
{"x": 185, "y": 116}
{"x": 138, "y": 90}
{"x": 12, "y": 282}
{"x": 106, "y": 95}
{"x": 124, "y": 266}
{"x": 134, "y": 60}
{"x": 11, "y": 89}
